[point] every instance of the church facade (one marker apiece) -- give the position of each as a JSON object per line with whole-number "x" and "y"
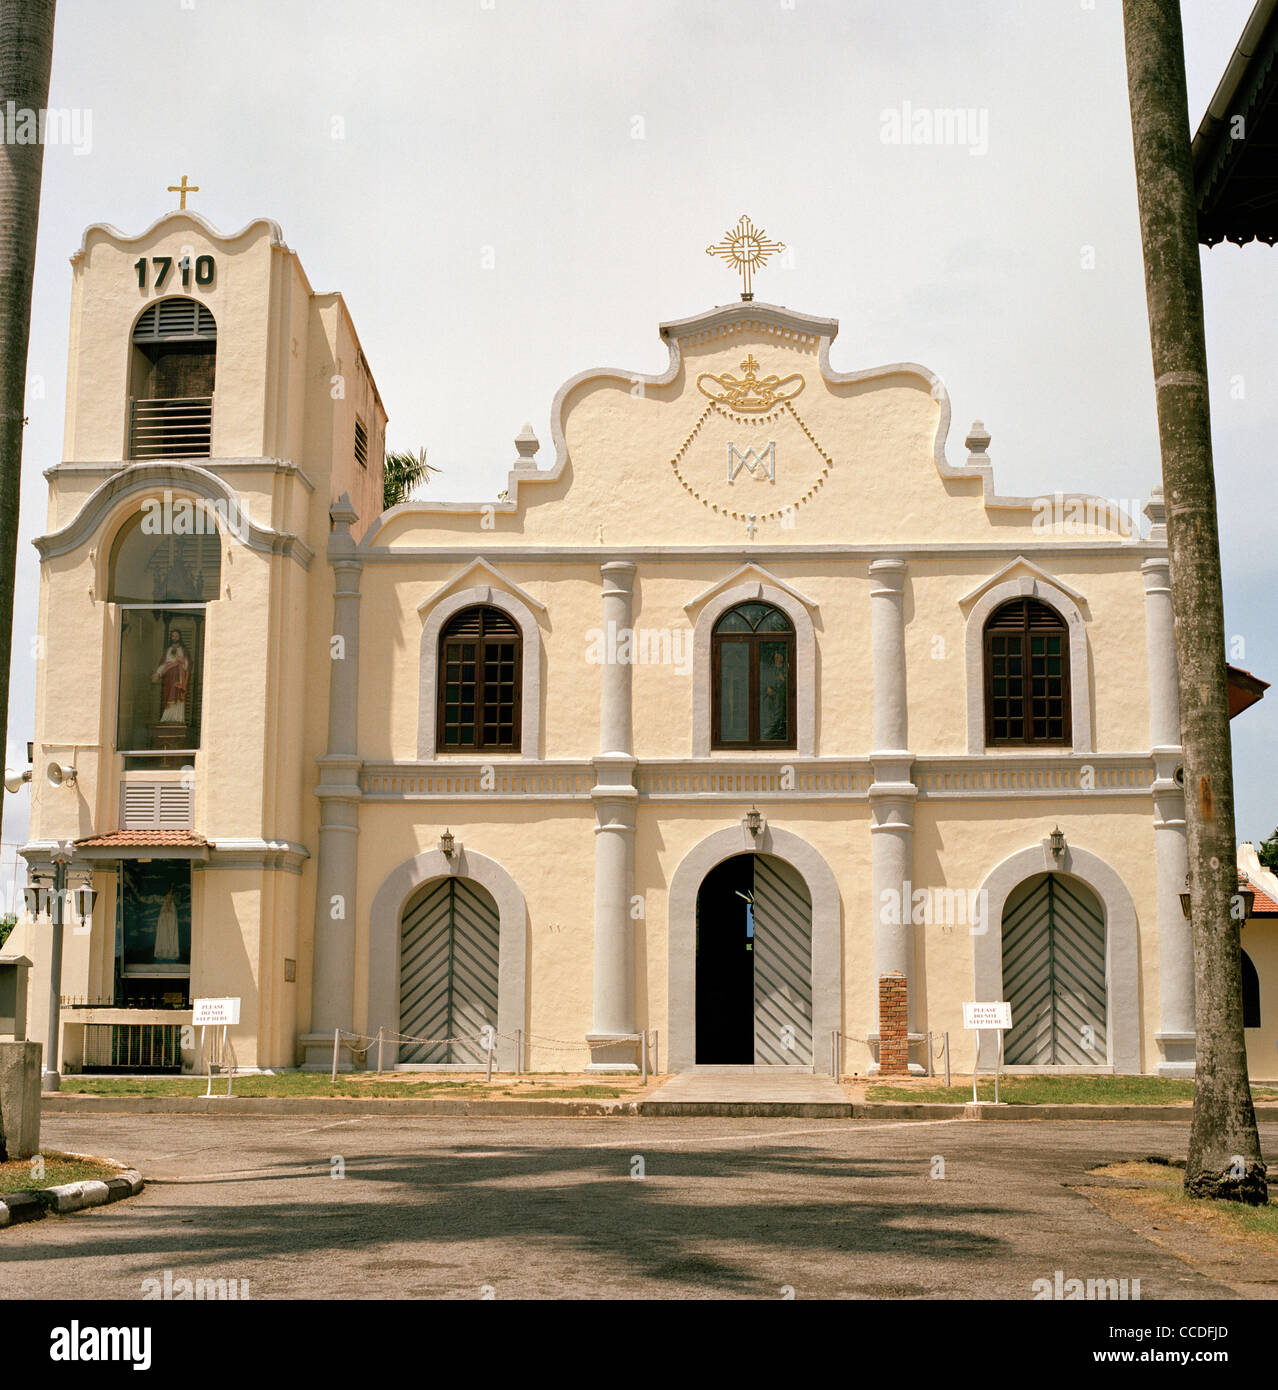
{"x": 749, "y": 690}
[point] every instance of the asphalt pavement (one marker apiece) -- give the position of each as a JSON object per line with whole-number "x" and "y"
{"x": 638, "y": 1208}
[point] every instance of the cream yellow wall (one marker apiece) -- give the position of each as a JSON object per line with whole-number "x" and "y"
{"x": 291, "y": 380}
{"x": 622, "y": 433}
{"x": 290, "y": 436}
{"x": 935, "y": 644}
{"x": 106, "y": 300}
{"x": 958, "y": 844}
{"x": 1260, "y": 941}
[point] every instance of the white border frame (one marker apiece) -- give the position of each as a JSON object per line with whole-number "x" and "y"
{"x": 805, "y": 669}
{"x": 1080, "y": 686}
{"x": 530, "y": 674}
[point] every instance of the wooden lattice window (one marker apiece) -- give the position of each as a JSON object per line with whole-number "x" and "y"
{"x": 480, "y": 652}
{"x": 752, "y": 671}
{"x": 1027, "y": 695}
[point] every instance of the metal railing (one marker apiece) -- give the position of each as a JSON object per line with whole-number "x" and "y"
{"x": 137, "y": 1046}
{"x": 178, "y": 427}
{"x": 134, "y": 1001}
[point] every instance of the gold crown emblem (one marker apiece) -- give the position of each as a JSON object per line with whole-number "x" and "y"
{"x": 750, "y": 393}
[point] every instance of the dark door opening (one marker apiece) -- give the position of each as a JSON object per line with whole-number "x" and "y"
{"x": 725, "y": 964}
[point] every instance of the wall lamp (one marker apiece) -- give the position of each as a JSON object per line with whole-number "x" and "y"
{"x": 447, "y": 844}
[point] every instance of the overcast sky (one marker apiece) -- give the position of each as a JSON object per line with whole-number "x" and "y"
{"x": 531, "y": 184}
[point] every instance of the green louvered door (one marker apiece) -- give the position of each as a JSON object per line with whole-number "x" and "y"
{"x": 448, "y": 972}
{"x": 1054, "y": 974}
{"x": 782, "y": 965}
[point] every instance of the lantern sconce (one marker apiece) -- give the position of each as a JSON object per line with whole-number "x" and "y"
{"x": 86, "y": 897}
{"x": 1057, "y": 841}
{"x": 447, "y": 844}
{"x": 754, "y": 821}
{"x": 1248, "y": 895}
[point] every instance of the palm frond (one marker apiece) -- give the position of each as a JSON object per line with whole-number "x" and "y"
{"x": 401, "y": 474}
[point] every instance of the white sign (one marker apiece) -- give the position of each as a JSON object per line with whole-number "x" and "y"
{"x": 213, "y": 1013}
{"x": 994, "y": 1015}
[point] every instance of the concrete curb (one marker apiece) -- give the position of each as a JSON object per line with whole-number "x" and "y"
{"x": 61, "y": 1103}
{"x": 16, "y": 1207}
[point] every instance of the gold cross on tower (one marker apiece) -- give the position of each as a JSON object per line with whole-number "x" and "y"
{"x": 183, "y": 188}
{"x": 745, "y": 247}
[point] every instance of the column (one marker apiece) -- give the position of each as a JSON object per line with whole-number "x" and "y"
{"x": 615, "y": 797}
{"x": 333, "y": 971}
{"x": 892, "y": 792}
{"x": 1175, "y": 1036}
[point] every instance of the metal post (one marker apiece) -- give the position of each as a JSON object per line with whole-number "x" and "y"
{"x": 519, "y": 1051}
{"x": 337, "y": 1042}
{"x": 491, "y": 1040}
{"x": 643, "y": 1057}
{"x": 998, "y": 1067}
{"x": 930, "y": 1070}
{"x": 976, "y": 1063}
{"x": 656, "y": 1053}
{"x": 380, "y": 1040}
{"x": 947, "y": 1058}
{"x": 52, "y": 1071}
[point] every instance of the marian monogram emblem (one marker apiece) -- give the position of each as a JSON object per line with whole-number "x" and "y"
{"x": 765, "y": 460}
{"x": 749, "y": 393}
{"x": 751, "y": 418}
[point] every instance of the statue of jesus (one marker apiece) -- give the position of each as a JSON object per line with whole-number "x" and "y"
{"x": 174, "y": 675}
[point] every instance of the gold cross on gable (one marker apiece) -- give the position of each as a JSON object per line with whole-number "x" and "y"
{"x": 183, "y": 188}
{"x": 745, "y": 247}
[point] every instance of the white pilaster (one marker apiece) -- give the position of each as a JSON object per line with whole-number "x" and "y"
{"x": 892, "y": 793}
{"x": 615, "y": 796}
{"x": 333, "y": 971}
{"x": 1175, "y": 1034}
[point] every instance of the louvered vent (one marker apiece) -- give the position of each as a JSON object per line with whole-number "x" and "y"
{"x": 468, "y": 623}
{"x": 156, "y": 806}
{"x": 168, "y": 319}
{"x": 361, "y": 444}
{"x": 1015, "y": 615}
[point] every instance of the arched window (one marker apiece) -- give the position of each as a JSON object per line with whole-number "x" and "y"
{"x": 1250, "y": 993}
{"x": 1027, "y": 695}
{"x": 753, "y": 679}
{"x": 479, "y": 682}
{"x": 171, "y": 378}
{"x": 165, "y": 567}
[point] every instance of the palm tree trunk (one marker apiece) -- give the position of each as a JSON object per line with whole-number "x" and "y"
{"x": 1224, "y": 1149}
{"x": 26, "y": 54}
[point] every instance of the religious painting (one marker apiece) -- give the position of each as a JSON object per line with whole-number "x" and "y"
{"x": 160, "y": 678}
{"x": 156, "y": 927}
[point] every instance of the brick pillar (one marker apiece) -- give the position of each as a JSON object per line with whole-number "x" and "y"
{"x": 894, "y": 1041}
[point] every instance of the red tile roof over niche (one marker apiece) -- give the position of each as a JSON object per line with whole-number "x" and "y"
{"x": 141, "y": 839}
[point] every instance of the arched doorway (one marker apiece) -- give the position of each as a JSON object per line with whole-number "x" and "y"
{"x": 1054, "y": 973}
{"x": 449, "y": 954}
{"x": 753, "y": 964}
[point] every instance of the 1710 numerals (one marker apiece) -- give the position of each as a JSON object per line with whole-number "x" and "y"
{"x": 203, "y": 267}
